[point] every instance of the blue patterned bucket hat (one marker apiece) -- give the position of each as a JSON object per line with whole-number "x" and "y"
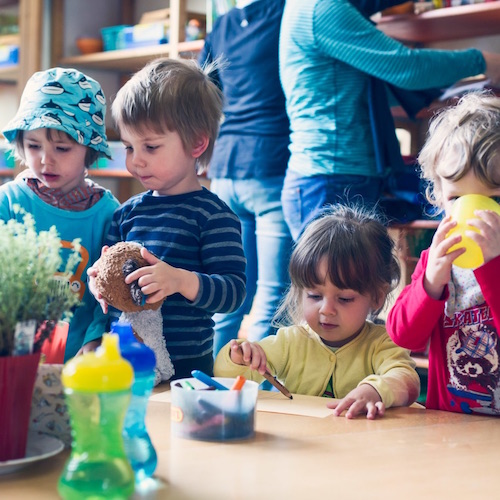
{"x": 63, "y": 99}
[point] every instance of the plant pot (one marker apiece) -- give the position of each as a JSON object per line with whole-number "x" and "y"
{"x": 49, "y": 413}
{"x": 17, "y": 379}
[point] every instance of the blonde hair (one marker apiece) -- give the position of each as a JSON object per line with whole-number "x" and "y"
{"x": 174, "y": 95}
{"x": 461, "y": 139}
{"x": 360, "y": 255}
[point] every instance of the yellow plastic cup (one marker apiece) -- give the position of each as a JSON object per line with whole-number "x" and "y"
{"x": 101, "y": 371}
{"x": 462, "y": 210}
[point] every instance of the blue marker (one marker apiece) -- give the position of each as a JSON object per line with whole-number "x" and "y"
{"x": 203, "y": 377}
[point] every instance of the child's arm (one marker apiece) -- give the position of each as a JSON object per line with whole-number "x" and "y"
{"x": 440, "y": 259}
{"x": 160, "y": 280}
{"x": 394, "y": 382}
{"x": 248, "y": 354}
{"x": 234, "y": 359}
{"x": 219, "y": 285}
{"x": 91, "y": 275}
{"x": 419, "y": 306}
{"x": 363, "y": 399}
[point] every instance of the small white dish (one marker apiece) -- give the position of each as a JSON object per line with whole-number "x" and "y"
{"x": 39, "y": 447}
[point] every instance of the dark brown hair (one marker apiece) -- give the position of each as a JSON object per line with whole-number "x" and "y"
{"x": 360, "y": 255}
{"x": 174, "y": 95}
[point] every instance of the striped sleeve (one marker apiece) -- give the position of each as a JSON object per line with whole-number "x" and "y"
{"x": 343, "y": 34}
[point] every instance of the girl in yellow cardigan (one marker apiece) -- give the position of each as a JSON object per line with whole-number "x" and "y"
{"x": 341, "y": 272}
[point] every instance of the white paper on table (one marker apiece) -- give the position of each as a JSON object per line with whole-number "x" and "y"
{"x": 308, "y": 406}
{"x": 275, "y": 402}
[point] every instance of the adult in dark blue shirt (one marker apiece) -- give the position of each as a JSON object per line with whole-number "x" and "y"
{"x": 251, "y": 155}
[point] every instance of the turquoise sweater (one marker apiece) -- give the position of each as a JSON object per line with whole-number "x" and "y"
{"x": 88, "y": 322}
{"x": 328, "y": 53}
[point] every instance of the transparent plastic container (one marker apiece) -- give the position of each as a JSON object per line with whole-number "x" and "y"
{"x": 213, "y": 415}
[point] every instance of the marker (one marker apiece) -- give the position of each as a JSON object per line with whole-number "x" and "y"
{"x": 188, "y": 385}
{"x": 238, "y": 383}
{"x": 272, "y": 380}
{"x": 203, "y": 377}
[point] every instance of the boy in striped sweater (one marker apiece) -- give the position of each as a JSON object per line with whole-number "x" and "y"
{"x": 168, "y": 116}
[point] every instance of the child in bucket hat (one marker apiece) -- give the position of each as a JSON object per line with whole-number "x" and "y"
{"x": 57, "y": 133}
{"x": 63, "y": 99}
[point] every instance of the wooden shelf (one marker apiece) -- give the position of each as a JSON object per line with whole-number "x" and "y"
{"x": 130, "y": 59}
{"x": 103, "y": 172}
{"x": 9, "y": 74}
{"x": 421, "y": 360}
{"x": 451, "y": 23}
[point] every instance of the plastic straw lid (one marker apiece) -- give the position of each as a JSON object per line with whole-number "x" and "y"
{"x": 104, "y": 370}
{"x": 141, "y": 357}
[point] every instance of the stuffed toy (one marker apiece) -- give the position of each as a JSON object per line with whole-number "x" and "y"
{"x": 117, "y": 262}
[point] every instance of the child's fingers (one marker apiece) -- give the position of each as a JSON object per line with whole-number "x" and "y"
{"x": 445, "y": 226}
{"x": 104, "y": 305}
{"x": 151, "y": 259}
{"x": 444, "y": 247}
{"x": 339, "y": 406}
{"x": 374, "y": 410}
{"x": 236, "y": 353}
{"x": 92, "y": 272}
{"x": 135, "y": 275}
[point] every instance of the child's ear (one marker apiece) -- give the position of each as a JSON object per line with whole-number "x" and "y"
{"x": 379, "y": 300}
{"x": 199, "y": 146}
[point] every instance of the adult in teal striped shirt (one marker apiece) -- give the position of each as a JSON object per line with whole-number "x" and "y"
{"x": 330, "y": 54}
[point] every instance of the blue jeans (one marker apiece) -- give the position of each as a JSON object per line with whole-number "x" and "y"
{"x": 304, "y": 197}
{"x": 267, "y": 245}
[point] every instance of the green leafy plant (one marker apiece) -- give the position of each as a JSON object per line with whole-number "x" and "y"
{"x": 32, "y": 286}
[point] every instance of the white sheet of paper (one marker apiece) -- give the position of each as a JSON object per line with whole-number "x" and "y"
{"x": 309, "y": 406}
{"x": 275, "y": 402}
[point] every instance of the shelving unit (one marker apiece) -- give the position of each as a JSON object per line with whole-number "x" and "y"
{"x": 132, "y": 59}
{"x": 439, "y": 25}
{"x": 124, "y": 62}
{"x": 29, "y": 39}
{"x": 451, "y": 23}
{"x": 9, "y": 74}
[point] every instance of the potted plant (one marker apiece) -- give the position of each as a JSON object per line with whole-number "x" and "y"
{"x": 34, "y": 295}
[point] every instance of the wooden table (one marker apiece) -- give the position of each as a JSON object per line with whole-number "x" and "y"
{"x": 410, "y": 453}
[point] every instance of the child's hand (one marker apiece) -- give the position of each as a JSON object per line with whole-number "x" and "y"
{"x": 159, "y": 279}
{"x": 363, "y": 399}
{"x": 92, "y": 273}
{"x": 438, "y": 271}
{"x": 89, "y": 347}
{"x": 488, "y": 223}
{"x": 249, "y": 354}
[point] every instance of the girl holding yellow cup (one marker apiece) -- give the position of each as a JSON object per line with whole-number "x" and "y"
{"x": 452, "y": 304}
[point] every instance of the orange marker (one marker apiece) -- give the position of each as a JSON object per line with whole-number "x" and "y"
{"x": 238, "y": 383}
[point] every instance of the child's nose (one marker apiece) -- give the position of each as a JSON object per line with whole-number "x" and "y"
{"x": 328, "y": 307}
{"x": 47, "y": 158}
{"x": 137, "y": 160}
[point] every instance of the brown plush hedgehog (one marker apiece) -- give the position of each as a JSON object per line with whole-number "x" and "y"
{"x": 117, "y": 262}
{"x": 114, "y": 265}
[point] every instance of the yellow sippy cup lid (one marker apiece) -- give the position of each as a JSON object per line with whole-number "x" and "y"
{"x": 104, "y": 370}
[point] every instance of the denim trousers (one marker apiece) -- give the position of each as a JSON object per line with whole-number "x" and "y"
{"x": 304, "y": 197}
{"x": 267, "y": 244}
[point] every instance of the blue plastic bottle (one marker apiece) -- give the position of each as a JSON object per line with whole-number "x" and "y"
{"x": 138, "y": 446}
